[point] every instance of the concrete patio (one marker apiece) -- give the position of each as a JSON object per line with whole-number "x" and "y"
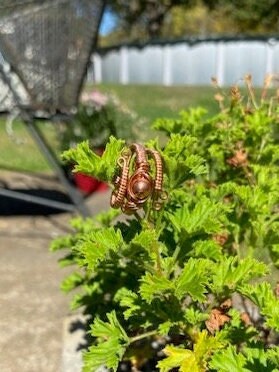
{"x": 33, "y": 310}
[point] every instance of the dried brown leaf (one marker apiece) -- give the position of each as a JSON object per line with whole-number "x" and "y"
{"x": 216, "y": 320}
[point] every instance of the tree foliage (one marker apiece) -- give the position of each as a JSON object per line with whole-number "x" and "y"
{"x": 145, "y": 14}
{"x": 149, "y": 19}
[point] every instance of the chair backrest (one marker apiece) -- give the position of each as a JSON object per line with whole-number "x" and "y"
{"x": 48, "y": 45}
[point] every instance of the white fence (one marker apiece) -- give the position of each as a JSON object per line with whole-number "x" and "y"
{"x": 187, "y": 62}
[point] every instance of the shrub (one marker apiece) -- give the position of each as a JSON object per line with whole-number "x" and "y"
{"x": 98, "y": 117}
{"x": 186, "y": 287}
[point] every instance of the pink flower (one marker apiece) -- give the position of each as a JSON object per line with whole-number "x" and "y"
{"x": 94, "y": 98}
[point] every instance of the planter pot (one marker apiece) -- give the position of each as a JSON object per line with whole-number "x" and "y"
{"x": 88, "y": 184}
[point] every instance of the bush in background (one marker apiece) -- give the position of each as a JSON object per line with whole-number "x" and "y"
{"x": 98, "y": 117}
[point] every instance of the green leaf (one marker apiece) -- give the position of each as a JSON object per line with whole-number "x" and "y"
{"x": 112, "y": 343}
{"x": 196, "y": 165}
{"x": 187, "y": 360}
{"x": 67, "y": 260}
{"x": 110, "y": 157}
{"x": 206, "y": 216}
{"x": 62, "y": 242}
{"x": 228, "y": 360}
{"x": 193, "y": 118}
{"x": 181, "y": 163}
{"x": 177, "y": 357}
{"x": 263, "y": 296}
{"x": 165, "y": 327}
{"x": 256, "y": 199}
{"x": 83, "y": 225}
{"x": 89, "y": 292}
{"x": 275, "y": 253}
{"x": 259, "y": 358}
{"x": 147, "y": 240}
{"x": 205, "y": 345}
{"x": 128, "y": 299}
{"x": 193, "y": 280}
{"x": 86, "y": 161}
{"x": 72, "y": 281}
{"x": 273, "y": 355}
{"x": 232, "y": 272}
{"x": 194, "y": 316}
{"x": 170, "y": 126}
{"x": 208, "y": 249}
{"x": 106, "y": 218}
{"x": 96, "y": 246}
{"x": 189, "y": 120}
{"x": 154, "y": 285}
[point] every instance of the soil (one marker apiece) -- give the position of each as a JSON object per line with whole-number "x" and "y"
{"x": 32, "y": 307}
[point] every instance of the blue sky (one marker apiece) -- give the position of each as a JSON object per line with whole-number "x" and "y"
{"x": 108, "y": 23}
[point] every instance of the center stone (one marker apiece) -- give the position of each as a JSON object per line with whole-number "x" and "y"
{"x": 141, "y": 189}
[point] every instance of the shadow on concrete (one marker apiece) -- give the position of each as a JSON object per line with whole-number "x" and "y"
{"x": 10, "y": 206}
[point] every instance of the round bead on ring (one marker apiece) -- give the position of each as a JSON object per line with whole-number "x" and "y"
{"x": 135, "y": 185}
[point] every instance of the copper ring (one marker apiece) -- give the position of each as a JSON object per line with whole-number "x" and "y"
{"x": 135, "y": 185}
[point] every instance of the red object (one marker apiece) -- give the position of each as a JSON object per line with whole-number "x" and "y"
{"x": 88, "y": 184}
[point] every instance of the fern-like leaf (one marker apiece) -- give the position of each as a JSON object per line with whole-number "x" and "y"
{"x": 188, "y": 360}
{"x": 71, "y": 282}
{"x": 206, "y": 216}
{"x": 193, "y": 279}
{"x": 154, "y": 285}
{"x": 181, "y": 163}
{"x": 112, "y": 343}
{"x": 86, "y": 161}
{"x": 228, "y": 360}
{"x": 127, "y": 299}
{"x": 207, "y": 249}
{"x": 96, "y": 246}
{"x": 230, "y": 273}
{"x": 263, "y": 296}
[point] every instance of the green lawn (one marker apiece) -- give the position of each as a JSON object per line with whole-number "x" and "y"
{"x": 156, "y": 101}
{"x": 19, "y": 152}
{"x": 150, "y": 102}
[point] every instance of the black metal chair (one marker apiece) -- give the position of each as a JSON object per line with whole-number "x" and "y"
{"x": 46, "y": 48}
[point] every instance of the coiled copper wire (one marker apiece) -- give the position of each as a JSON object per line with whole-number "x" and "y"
{"x": 141, "y": 156}
{"x": 118, "y": 195}
{"x": 129, "y": 207}
{"x": 158, "y": 184}
{"x": 135, "y": 186}
{"x": 159, "y": 196}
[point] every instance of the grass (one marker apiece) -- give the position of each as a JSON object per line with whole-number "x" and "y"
{"x": 19, "y": 152}
{"x": 157, "y": 101}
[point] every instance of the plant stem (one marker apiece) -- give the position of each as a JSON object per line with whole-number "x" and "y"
{"x": 251, "y": 92}
{"x": 272, "y": 219}
{"x": 158, "y": 258}
{"x": 144, "y": 335}
{"x": 138, "y": 217}
{"x": 148, "y": 216}
{"x": 156, "y": 247}
{"x": 176, "y": 253}
{"x": 263, "y": 142}
{"x": 250, "y": 177}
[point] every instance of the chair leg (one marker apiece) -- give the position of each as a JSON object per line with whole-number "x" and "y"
{"x": 74, "y": 194}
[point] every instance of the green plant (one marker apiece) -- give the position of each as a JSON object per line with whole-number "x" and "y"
{"x": 190, "y": 279}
